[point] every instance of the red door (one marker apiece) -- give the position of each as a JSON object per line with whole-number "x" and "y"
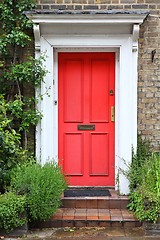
{"x": 86, "y": 122}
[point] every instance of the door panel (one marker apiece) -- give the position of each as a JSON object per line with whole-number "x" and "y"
{"x": 73, "y": 149}
{"x": 73, "y": 90}
{"x": 99, "y": 89}
{"x": 86, "y": 94}
{"x": 99, "y": 154}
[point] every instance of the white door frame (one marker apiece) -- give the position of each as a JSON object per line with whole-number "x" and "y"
{"x": 126, "y": 47}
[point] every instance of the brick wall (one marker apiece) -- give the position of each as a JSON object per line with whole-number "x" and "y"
{"x": 148, "y": 71}
{"x": 153, "y": 5}
{"x": 149, "y": 81}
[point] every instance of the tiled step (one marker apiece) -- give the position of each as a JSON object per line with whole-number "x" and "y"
{"x": 95, "y": 202}
{"x": 92, "y": 212}
{"x": 115, "y": 201}
{"x": 82, "y": 217}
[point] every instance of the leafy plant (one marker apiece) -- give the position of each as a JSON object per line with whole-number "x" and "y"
{"x": 43, "y": 187}
{"x": 143, "y": 208}
{"x": 12, "y": 209}
{"x": 18, "y": 72}
{"x": 144, "y": 177}
{"x": 134, "y": 171}
{"x": 151, "y": 179}
{"x": 18, "y": 112}
{"x": 11, "y": 151}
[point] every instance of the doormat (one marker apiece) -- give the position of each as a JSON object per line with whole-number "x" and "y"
{"x": 87, "y": 193}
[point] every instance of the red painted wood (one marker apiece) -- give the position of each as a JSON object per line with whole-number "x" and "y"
{"x": 99, "y": 154}
{"x": 84, "y": 84}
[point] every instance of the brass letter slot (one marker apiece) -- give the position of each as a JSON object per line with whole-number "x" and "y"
{"x": 86, "y": 127}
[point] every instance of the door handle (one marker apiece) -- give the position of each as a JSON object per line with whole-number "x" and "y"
{"x": 112, "y": 114}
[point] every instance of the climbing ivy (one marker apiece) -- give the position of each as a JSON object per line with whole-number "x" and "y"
{"x": 19, "y": 75}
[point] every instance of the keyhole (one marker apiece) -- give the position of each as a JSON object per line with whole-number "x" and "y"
{"x": 111, "y": 92}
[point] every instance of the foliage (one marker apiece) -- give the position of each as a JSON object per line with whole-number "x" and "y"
{"x": 13, "y": 25}
{"x": 151, "y": 177}
{"x": 11, "y": 152}
{"x": 12, "y": 209}
{"x": 17, "y": 71}
{"x": 145, "y": 199}
{"x": 143, "y": 208}
{"x": 18, "y": 114}
{"x": 30, "y": 71}
{"x": 144, "y": 177}
{"x": 134, "y": 171}
{"x": 43, "y": 187}
{"x": 11, "y": 14}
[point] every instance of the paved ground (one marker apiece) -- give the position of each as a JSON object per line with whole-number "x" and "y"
{"x": 88, "y": 234}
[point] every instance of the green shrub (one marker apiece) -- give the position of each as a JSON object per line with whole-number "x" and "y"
{"x": 144, "y": 181}
{"x": 134, "y": 172}
{"x": 43, "y": 187}
{"x": 145, "y": 199}
{"x": 151, "y": 177}
{"x": 18, "y": 114}
{"x": 12, "y": 209}
{"x": 143, "y": 207}
{"x": 11, "y": 151}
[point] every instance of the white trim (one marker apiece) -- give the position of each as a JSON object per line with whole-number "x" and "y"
{"x": 98, "y": 41}
{"x": 123, "y": 130}
{"x": 87, "y": 18}
{"x": 126, "y": 48}
{"x": 135, "y": 32}
{"x": 38, "y": 93}
{"x": 36, "y": 30}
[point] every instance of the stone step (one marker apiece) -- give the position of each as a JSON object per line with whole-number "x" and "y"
{"x": 82, "y": 217}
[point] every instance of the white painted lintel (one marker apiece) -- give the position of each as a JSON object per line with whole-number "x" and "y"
{"x": 87, "y": 18}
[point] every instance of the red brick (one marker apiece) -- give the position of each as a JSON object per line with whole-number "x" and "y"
{"x": 68, "y": 203}
{"x": 80, "y": 203}
{"x": 91, "y": 203}
{"x": 115, "y": 204}
{"x": 103, "y": 203}
{"x": 81, "y": 223}
{"x": 104, "y": 224}
{"x": 105, "y": 218}
{"x": 67, "y": 223}
{"x": 92, "y": 224}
